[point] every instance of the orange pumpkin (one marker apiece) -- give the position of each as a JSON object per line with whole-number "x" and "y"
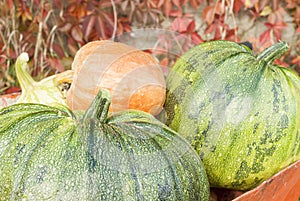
{"x": 134, "y": 78}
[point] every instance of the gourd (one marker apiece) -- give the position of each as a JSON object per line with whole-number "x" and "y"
{"x": 50, "y": 90}
{"x": 52, "y": 153}
{"x": 239, "y": 111}
{"x": 134, "y": 78}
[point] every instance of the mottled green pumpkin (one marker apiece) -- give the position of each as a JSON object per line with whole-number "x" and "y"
{"x": 49, "y": 153}
{"x": 240, "y": 112}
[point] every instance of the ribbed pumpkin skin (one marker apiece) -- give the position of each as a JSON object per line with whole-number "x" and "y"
{"x": 134, "y": 78}
{"x": 46, "y": 153}
{"x": 240, "y": 112}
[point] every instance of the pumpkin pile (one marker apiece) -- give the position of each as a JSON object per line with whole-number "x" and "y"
{"x": 51, "y": 152}
{"x": 231, "y": 120}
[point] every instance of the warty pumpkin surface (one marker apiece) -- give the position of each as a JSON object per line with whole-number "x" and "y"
{"x": 51, "y": 153}
{"x": 239, "y": 111}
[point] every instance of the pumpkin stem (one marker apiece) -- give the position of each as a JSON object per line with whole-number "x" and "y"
{"x": 23, "y": 76}
{"x": 274, "y": 52}
{"x": 99, "y": 107}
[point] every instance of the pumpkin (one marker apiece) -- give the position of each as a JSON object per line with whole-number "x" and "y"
{"x": 133, "y": 77}
{"x": 52, "y": 153}
{"x": 239, "y": 111}
{"x": 50, "y": 90}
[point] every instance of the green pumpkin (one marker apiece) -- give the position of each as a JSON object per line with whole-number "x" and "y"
{"x": 239, "y": 111}
{"x": 50, "y": 153}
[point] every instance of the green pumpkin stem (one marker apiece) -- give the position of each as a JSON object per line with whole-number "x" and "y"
{"x": 23, "y": 76}
{"x": 99, "y": 107}
{"x": 274, "y": 52}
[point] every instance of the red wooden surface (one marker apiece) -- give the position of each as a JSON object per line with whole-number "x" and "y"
{"x": 283, "y": 186}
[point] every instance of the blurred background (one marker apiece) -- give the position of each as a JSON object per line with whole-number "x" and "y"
{"x": 52, "y": 31}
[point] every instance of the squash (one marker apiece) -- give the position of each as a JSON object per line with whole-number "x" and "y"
{"x": 50, "y": 90}
{"x": 52, "y": 153}
{"x": 240, "y": 112}
{"x": 133, "y": 77}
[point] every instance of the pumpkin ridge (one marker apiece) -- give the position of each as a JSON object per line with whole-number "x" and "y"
{"x": 170, "y": 166}
{"x": 175, "y": 177}
{"x": 133, "y": 172}
{"x": 192, "y": 173}
{"x": 181, "y": 159}
{"x": 219, "y": 63}
{"x": 19, "y": 121}
{"x": 43, "y": 164}
{"x": 26, "y": 159}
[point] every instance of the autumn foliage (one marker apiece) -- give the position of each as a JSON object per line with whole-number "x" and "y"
{"x": 52, "y": 31}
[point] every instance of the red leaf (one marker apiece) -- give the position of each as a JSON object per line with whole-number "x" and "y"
{"x": 277, "y": 34}
{"x": 3, "y": 60}
{"x": 125, "y": 24}
{"x": 58, "y": 50}
{"x": 265, "y": 36}
{"x": 88, "y": 24}
{"x": 65, "y": 28}
{"x": 218, "y": 34}
{"x": 124, "y": 5}
{"x": 167, "y": 7}
{"x": 195, "y": 3}
{"x": 55, "y": 64}
{"x": 108, "y": 18}
{"x": 298, "y": 29}
{"x": 281, "y": 63}
{"x": 231, "y": 35}
{"x": 10, "y": 4}
{"x": 77, "y": 34}
{"x": 187, "y": 44}
{"x": 72, "y": 46}
{"x": 189, "y": 15}
{"x": 208, "y": 14}
{"x": 164, "y": 62}
{"x": 165, "y": 65}
{"x": 196, "y": 39}
{"x": 191, "y": 27}
{"x": 280, "y": 25}
{"x": 151, "y": 4}
{"x": 176, "y": 13}
{"x": 210, "y": 28}
{"x": 269, "y": 25}
{"x": 183, "y": 2}
{"x": 237, "y": 5}
{"x": 12, "y": 89}
{"x": 176, "y": 3}
{"x": 291, "y": 4}
{"x": 296, "y": 60}
{"x": 179, "y": 25}
{"x": 160, "y": 3}
{"x": 100, "y": 27}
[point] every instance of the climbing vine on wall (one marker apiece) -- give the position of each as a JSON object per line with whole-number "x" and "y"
{"x": 52, "y": 31}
